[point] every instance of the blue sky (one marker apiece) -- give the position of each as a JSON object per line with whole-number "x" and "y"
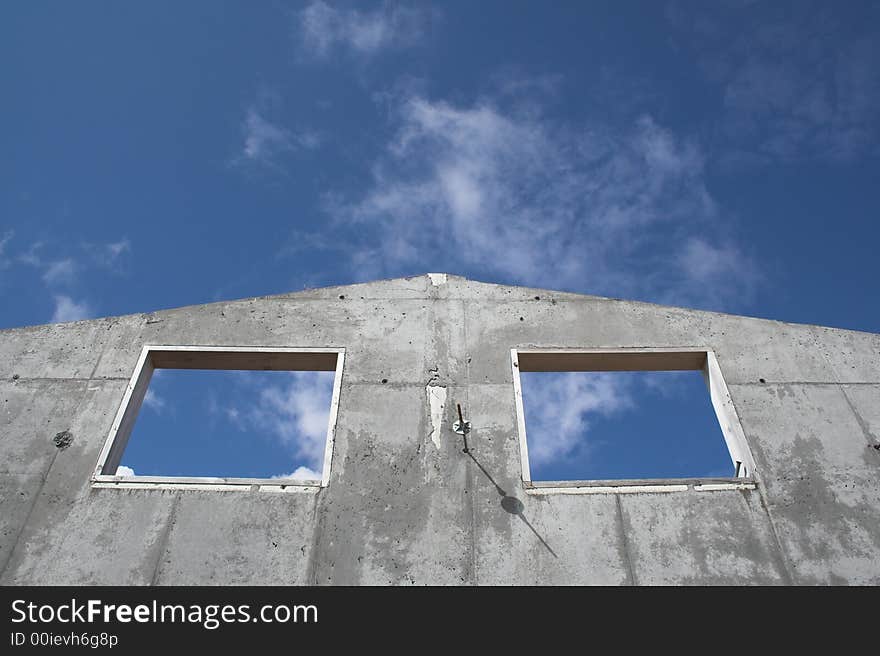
{"x": 719, "y": 155}
{"x": 241, "y": 424}
{"x": 622, "y": 425}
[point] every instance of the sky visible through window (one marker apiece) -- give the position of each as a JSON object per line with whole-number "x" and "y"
{"x": 621, "y": 425}
{"x": 242, "y": 424}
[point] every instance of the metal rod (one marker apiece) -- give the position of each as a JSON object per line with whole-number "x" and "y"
{"x": 463, "y": 429}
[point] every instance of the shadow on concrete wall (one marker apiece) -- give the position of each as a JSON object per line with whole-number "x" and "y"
{"x": 510, "y": 504}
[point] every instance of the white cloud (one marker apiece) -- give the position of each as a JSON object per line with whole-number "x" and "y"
{"x": 516, "y": 197}
{"x": 108, "y": 255}
{"x": 302, "y": 474}
{"x": 323, "y": 27}
{"x": 308, "y": 139}
{"x": 295, "y": 413}
{"x": 558, "y": 408}
{"x": 705, "y": 263}
{"x": 265, "y": 141}
{"x": 117, "y": 248}
{"x": 154, "y": 401}
{"x": 60, "y": 272}
{"x": 5, "y": 239}
{"x": 65, "y": 272}
{"x": 708, "y": 268}
{"x": 122, "y": 470}
{"x": 803, "y": 87}
{"x": 666, "y": 384}
{"x": 67, "y": 309}
{"x": 32, "y": 255}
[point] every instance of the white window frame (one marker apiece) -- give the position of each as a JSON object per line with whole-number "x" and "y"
{"x": 637, "y": 359}
{"x": 226, "y": 358}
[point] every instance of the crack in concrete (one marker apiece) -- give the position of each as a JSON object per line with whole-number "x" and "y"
{"x": 627, "y": 555}
{"x": 163, "y": 540}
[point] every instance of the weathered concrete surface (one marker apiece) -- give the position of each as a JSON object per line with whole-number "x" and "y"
{"x": 524, "y": 539}
{"x": 405, "y": 504}
{"x": 718, "y": 538}
{"x": 229, "y": 527}
{"x": 821, "y": 476}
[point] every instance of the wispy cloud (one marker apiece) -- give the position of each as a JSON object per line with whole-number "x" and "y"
{"x": 153, "y": 401}
{"x": 265, "y": 141}
{"x": 60, "y": 272}
{"x": 666, "y": 384}
{"x": 32, "y": 255}
{"x": 295, "y": 413}
{"x": 710, "y": 267}
{"x": 488, "y": 189}
{"x": 233, "y": 415}
{"x": 324, "y": 28}
{"x": 805, "y": 86}
{"x": 558, "y": 407}
{"x": 117, "y": 248}
{"x": 108, "y": 255}
{"x": 67, "y": 309}
{"x": 262, "y": 139}
{"x": 302, "y": 474}
{"x": 122, "y": 470}
{"x": 66, "y": 272}
{"x": 5, "y": 239}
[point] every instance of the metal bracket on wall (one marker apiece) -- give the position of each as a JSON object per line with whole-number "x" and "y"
{"x": 462, "y": 427}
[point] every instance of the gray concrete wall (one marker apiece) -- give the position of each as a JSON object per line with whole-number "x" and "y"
{"x": 400, "y": 510}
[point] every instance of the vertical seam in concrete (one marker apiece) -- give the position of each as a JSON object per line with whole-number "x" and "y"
{"x": 317, "y": 532}
{"x": 627, "y": 556}
{"x": 27, "y": 517}
{"x": 829, "y": 366}
{"x": 788, "y": 577}
{"x": 100, "y": 357}
{"x": 43, "y": 478}
{"x": 163, "y": 540}
{"x": 869, "y": 436}
{"x": 469, "y": 478}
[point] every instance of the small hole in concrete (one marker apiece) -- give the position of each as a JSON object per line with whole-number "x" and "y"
{"x": 63, "y": 439}
{"x": 537, "y": 298}
{"x": 521, "y": 319}
{"x": 762, "y": 380}
{"x": 384, "y": 380}
{"x": 342, "y": 296}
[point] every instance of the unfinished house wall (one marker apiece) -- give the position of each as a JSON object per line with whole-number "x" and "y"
{"x": 405, "y": 504}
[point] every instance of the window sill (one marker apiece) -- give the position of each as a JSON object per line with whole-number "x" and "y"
{"x": 204, "y": 483}
{"x": 639, "y": 486}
